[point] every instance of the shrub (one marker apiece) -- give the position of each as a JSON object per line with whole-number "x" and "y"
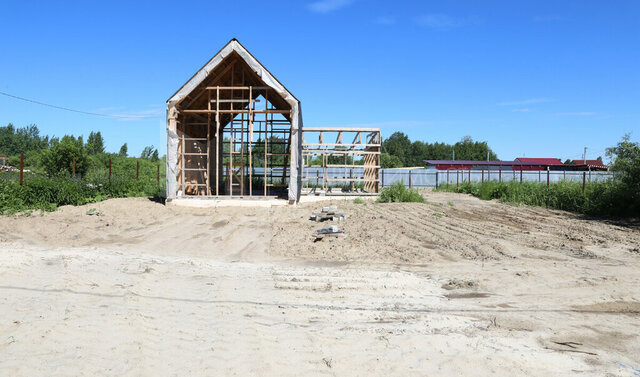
{"x": 609, "y": 198}
{"x": 399, "y": 193}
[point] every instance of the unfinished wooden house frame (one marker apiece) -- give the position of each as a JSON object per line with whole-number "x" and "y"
{"x": 233, "y": 130}
{"x": 341, "y": 158}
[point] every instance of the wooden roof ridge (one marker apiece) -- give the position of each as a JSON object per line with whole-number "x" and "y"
{"x": 202, "y": 74}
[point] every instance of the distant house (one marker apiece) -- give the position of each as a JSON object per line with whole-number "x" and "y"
{"x": 525, "y": 164}
{"x": 537, "y": 163}
{"x": 588, "y": 165}
{"x": 4, "y": 160}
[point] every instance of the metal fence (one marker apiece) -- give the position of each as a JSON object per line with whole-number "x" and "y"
{"x": 423, "y": 178}
{"x": 431, "y": 178}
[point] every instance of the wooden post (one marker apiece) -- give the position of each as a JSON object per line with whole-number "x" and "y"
{"x": 109, "y": 169}
{"x": 21, "y": 168}
{"x": 547, "y": 176}
{"x": 500, "y": 174}
{"x": 447, "y": 177}
{"x": 73, "y": 169}
{"x": 409, "y": 178}
{"x": 137, "y": 170}
{"x": 457, "y": 178}
{"x": 158, "y": 174}
{"x": 482, "y": 175}
{"x": 584, "y": 180}
{"x": 382, "y": 177}
{"x": 521, "y": 174}
{"x": 469, "y": 175}
{"x": 436, "y": 179}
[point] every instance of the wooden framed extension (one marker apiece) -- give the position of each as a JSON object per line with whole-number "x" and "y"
{"x": 341, "y": 159}
{"x": 232, "y": 131}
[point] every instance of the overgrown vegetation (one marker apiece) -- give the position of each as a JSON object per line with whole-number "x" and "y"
{"x": 617, "y": 197}
{"x": 50, "y": 181}
{"x": 399, "y": 193}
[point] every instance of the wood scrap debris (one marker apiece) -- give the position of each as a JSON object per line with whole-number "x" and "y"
{"x": 328, "y": 231}
{"x": 329, "y": 213}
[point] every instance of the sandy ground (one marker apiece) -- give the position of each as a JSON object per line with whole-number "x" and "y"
{"x": 453, "y": 287}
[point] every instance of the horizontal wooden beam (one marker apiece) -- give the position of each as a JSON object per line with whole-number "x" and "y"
{"x": 238, "y": 87}
{"x": 339, "y": 144}
{"x": 237, "y": 111}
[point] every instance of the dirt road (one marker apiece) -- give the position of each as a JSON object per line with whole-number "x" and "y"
{"x": 453, "y": 287}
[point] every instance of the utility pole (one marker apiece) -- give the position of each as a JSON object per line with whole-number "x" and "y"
{"x": 487, "y": 155}
{"x": 584, "y": 156}
{"x": 454, "y": 155}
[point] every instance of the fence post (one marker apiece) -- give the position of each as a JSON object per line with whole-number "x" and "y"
{"x": 74, "y": 167}
{"x": 410, "y": 178}
{"x": 547, "y": 176}
{"x": 500, "y": 174}
{"x": 137, "y": 170}
{"x": 436, "y": 179}
{"x": 520, "y": 174}
{"x": 381, "y": 177}
{"x": 158, "y": 175}
{"x": 539, "y": 176}
{"x": 469, "y": 175}
{"x": 482, "y": 175}
{"x": 457, "y": 177}
{"x": 447, "y": 177}
{"x": 584, "y": 180}
{"x": 21, "y": 167}
{"x": 109, "y": 170}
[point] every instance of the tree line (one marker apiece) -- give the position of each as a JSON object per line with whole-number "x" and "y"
{"x": 54, "y": 156}
{"x": 399, "y": 151}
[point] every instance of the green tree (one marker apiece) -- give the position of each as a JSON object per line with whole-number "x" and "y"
{"x": 467, "y": 149}
{"x": 123, "y": 150}
{"x": 388, "y": 161}
{"x": 625, "y": 159}
{"x": 95, "y": 143}
{"x": 147, "y": 152}
{"x": 154, "y": 156}
{"x": 14, "y": 141}
{"x": 399, "y": 145}
{"x": 59, "y": 158}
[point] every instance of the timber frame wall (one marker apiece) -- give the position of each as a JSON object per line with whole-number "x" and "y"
{"x": 217, "y": 160}
{"x": 360, "y": 160}
{"x": 234, "y": 136}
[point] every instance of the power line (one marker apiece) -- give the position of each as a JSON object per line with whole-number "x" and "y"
{"x": 80, "y": 111}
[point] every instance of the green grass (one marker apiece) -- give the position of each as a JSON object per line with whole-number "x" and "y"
{"x": 608, "y": 198}
{"x": 399, "y": 193}
{"x": 46, "y": 194}
{"x": 358, "y": 201}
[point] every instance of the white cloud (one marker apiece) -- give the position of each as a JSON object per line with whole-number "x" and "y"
{"x": 578, "y": 113}
{"x": 386, "y": 20}
{"x": 326, "y": 6}
{"x": 153, "y": 112}
{"x": 525, "y": 101}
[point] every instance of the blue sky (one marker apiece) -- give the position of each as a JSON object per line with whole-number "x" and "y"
{"x": 533, "y": 78}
